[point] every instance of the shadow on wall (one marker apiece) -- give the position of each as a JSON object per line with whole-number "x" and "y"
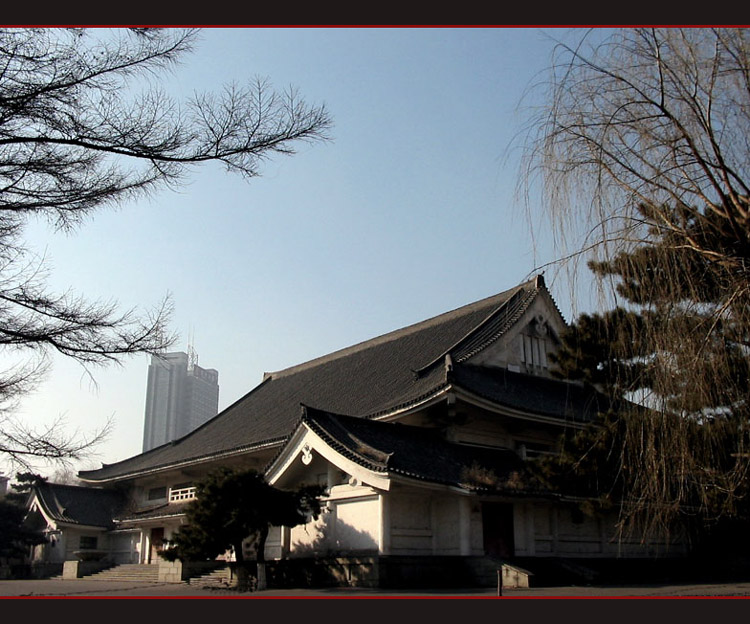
{"x": 334, "y": 537}
{"x": 336, "y": 554}
{"x": 331, "y": 554}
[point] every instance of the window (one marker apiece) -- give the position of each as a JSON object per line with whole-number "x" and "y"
{"x": 534, "y": 351}
{"x": 529, "y": 450}
{"x": 158, "y": 493}
{"x": 88, "y": 542}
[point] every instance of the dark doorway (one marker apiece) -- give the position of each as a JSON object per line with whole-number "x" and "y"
{"x": 157, "y": 541}
{"x": 497, "y": 526}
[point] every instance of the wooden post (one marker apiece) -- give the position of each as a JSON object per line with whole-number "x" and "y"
{"x": 500, "y": 581}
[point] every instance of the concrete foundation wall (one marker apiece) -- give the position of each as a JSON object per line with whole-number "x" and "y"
{"x": 387, "y": 571}
{"x": 30, "y": 571}
{"x": 177, "y": 571}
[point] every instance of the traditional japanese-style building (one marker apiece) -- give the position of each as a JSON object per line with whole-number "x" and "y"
{"x": 421, "y": 437}
{"x": 77, "y": 520}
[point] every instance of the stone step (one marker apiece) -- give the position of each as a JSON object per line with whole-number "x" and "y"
{"x": 127, "y": 572}
{"x": 217, "y": 578}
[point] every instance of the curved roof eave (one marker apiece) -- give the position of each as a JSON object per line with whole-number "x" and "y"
{"x": 134, "y": 474}
{"x": 469, "y": 396}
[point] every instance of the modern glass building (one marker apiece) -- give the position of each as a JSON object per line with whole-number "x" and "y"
{"x": 180, "y": 396}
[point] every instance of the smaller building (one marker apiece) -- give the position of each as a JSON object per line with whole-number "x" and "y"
{"x": 78, "y": 525}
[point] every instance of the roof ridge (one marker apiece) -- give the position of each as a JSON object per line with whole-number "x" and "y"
{"x": 67, "y": 485}
{"x": 501, "y": 298}
{"x": 511, "y": 305}
{"x": 49, "y": 501}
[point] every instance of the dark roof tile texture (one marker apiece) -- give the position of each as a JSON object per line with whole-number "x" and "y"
{"x": 416, "y": 452}
{"x": 80, "y": 505}
{"x": 366, "y": 379}
{"x": 165, "y": 510}
{"x": 539, "y": 395}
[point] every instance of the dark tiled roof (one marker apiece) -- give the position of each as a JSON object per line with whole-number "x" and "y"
{"x": 539, "y": 395}
{"x": 165, "y": 510}
{"x": 367, "y": 379}
{"x": 80, "y": 505}
{"x": 416, "y": 452}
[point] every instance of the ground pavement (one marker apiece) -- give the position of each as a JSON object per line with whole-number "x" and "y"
{"x": 97, "y": 589}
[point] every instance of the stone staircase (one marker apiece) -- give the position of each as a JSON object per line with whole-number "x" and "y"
{"x": 128, "y": 572}
{"x": 218, "y": 578}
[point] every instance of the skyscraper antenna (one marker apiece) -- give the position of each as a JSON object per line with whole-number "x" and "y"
{"x": 192, "y": 355}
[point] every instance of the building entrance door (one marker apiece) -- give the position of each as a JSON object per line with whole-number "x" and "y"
{"x": 157, "y": 541}
{"x": 497, "y": 528}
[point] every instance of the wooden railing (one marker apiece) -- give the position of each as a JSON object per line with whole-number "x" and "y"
{"x": 183, "y": 494}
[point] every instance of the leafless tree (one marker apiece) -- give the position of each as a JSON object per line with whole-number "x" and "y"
{"x": 83, "y": 125}
{"x": 642, "y": 152}
{"x": 646, "y": 117}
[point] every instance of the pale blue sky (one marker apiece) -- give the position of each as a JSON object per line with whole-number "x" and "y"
{"x": 407, "y": 213}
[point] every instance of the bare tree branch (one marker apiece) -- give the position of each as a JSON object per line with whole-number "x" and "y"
{"x": 82, "y": 126}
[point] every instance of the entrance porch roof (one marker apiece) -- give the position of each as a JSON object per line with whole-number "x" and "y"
{"x": 378, "y": 453}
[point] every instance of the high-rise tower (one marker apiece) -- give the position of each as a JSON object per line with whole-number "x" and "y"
{"x": 180, "y": 396}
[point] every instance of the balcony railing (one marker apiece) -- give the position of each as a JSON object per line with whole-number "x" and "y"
{"x": 182, "y": 494}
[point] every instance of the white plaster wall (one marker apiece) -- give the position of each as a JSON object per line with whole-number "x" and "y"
{"x": 543, "y": 529}
{"x": 357, "y": 525}
{"x": 557, "y": 533}
{"x": 349, "y": 525}
{"x": 446, "y": 520}
{"x": 311, "y": 537}
{"x": 476, "y": 537}
{"x": 52, "y": 552}
{"x": 411, "y": 524}
{"x": 582, "y": 538}
{"x": 73, "y": 542}
{"x": 507, "y": 350}
{"x": 59, "y": 552}
{"x": 523, "y": 530}
{"x": 432, "y": 524}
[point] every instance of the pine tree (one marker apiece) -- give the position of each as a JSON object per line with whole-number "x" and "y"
{"x": 16, "y": 536}
{"x": 232, "y": 507}
{"x": 673, "y": 452}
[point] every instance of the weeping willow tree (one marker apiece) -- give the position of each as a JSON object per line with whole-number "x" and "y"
{"x": 643, "y": 154}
